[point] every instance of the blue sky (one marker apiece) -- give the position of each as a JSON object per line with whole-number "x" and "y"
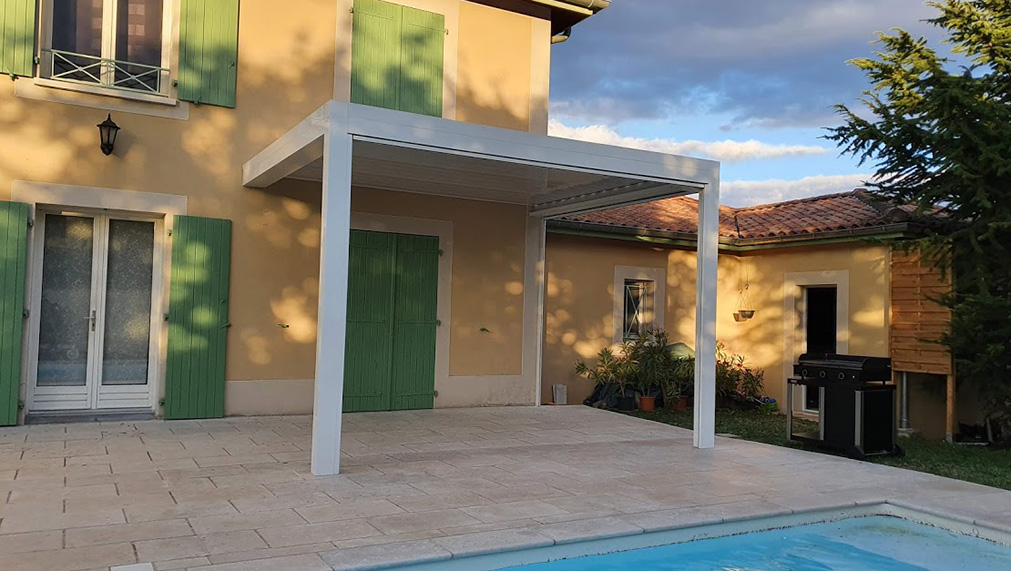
{"x": 750, "y": 83}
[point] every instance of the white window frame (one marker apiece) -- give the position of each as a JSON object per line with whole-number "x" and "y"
{"x": 657, "y": 298}
{"x": 643, "y": 309}
{"x": 170, "y": 9}
{"x": 94, "y": 398}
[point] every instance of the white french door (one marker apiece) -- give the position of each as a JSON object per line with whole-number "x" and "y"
{"x": 94, "y": 290}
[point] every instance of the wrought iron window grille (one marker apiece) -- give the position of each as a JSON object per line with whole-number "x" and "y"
{"x": 105, "y": 72}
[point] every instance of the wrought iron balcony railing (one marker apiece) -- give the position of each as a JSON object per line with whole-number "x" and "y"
{"x": 111, "y": 73}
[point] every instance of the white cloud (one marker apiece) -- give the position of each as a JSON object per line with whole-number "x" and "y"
{"x": 752, "y": 192}
{"x": 727, "y": 151}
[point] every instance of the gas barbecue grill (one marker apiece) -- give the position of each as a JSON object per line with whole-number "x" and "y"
{"x": 857, "y": 403}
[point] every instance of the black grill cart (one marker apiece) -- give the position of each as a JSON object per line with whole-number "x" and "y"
{"x": 857, "y": 403}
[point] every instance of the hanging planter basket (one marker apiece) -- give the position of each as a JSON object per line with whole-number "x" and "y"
{"x": 745, "y": 310}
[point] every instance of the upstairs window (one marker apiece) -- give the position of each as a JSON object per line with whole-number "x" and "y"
{"x": 111, "y": 43}
{"x": 637, "y": 302}
{"x": 397, "y": 57}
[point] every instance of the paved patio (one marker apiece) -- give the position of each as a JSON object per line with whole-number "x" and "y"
{"x": 237, "y": 494}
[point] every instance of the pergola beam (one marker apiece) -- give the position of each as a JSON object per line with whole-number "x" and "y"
{"x": 300, "y": 146}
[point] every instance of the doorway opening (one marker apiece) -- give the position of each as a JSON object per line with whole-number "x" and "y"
{"x": 96, "y": 285}
{"x": 819, "y": 317}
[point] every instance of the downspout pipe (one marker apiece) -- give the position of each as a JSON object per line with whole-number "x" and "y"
{"x": 904, "y": 420}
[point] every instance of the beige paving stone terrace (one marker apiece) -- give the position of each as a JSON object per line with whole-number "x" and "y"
{"x": 237, "y": 493}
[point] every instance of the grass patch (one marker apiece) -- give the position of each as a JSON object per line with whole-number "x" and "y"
{"x": 977, "y": 464}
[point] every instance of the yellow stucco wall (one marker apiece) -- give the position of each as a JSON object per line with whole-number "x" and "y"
{"x": 494, "y": 79}
{"x": 579, "y": 303}
{"x": 496, "y": 65}
{"x": 289, "y": 64}
{"x": 927, "y": 404}
{"x": 580, "y": 300}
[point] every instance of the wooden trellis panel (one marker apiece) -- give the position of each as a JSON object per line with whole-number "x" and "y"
{"x": 917, "y": 320}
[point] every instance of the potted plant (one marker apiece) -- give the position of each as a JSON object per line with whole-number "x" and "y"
{"x": 647, "y": 401}
{"x": 654, "y": 366}
{"x": 679, "y": 383}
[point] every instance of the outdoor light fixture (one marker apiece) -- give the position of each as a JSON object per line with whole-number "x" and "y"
{"x": 107, "y": 131}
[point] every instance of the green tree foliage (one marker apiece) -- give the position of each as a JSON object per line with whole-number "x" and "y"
{"x": 938, "y": 130}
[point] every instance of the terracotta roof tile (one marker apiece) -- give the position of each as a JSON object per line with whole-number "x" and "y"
{"x": 834, "y": 212}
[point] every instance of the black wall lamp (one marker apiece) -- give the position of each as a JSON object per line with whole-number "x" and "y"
{"x": 107, "y": 130}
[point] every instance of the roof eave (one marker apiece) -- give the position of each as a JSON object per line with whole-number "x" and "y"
{"x": 688, "y": 239}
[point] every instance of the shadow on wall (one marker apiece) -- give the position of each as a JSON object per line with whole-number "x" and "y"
{"x": 579, "y": 312}
{"x": 276, "y": 231}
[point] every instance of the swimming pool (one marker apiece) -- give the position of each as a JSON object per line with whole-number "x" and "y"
{"x": 891, "y": 536}
{"x": 876, "y": 542}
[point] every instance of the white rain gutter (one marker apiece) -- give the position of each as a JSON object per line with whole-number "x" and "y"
{"x": 582, "y": 7}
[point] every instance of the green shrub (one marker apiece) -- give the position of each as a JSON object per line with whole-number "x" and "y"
{"x": 734, "y": 377}
{"x": 647, "y": 363}
{"x": 653, "y": 363}
{"x": 609, "y": 369}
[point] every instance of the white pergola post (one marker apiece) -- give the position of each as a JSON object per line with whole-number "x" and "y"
{"x": 333, "y": 293}
{"x": 705, "y": 317}
{"x": 534, "y": 281}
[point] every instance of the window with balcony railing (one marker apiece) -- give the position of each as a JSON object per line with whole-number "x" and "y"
{"x": 117, "y": 44}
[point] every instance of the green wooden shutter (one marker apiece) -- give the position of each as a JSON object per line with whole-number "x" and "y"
{"x": 198, "y": 318}
{"x": 17, "y": 37}
{"x": 422, "y": 40}
{"x": 208, "y": 51}
{"x": 415, "y": 322}
{"x": 393, "y": 283}
{"x": 368, "y": 341}
{"x": 13, "y": 248}
{"x": 375, "y": 55}
{"x": 397, "y": 57}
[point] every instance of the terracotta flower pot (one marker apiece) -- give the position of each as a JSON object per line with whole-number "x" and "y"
{"x": 682, "y": 404}
{"x": 647, "y": 404}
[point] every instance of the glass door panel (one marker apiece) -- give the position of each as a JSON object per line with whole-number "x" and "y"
{"x": 95, "y": 306}
{"x": 139, "y": 41}
{"x": 77, "y": 39}
{"x": 65, "y": 319}
{"x": 127, "y": 319}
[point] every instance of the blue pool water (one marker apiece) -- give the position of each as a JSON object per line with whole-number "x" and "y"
{"x": 878, "y": 543}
